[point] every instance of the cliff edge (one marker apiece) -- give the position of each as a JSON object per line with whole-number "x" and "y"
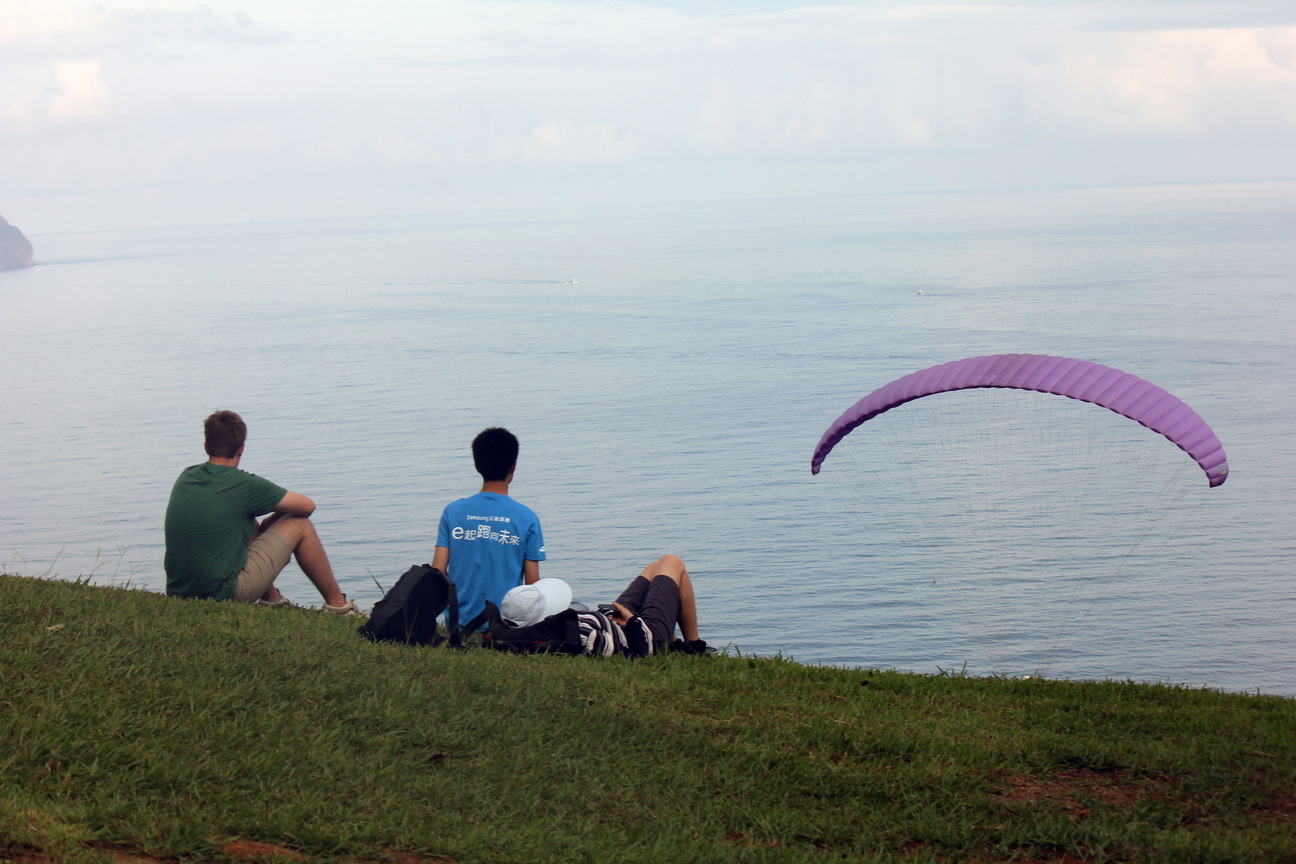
{"x": 15, "y": 249}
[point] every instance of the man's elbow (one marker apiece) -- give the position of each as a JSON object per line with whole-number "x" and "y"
{"x": 295, "y": 505}
{"x": 441, "y": 559}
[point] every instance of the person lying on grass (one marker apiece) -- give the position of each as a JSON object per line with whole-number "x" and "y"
{"x": 641, "y": 621}
{"x": 214, "y": 546}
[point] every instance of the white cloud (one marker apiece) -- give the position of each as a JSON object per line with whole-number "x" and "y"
{"x": 22, "y": 22}
{"x": 60, "y": 61}
{"x": 81, "y": 95}
{"x": 111, "y": 94}
{"x": 569, "y": 143}
{"x": 1197, "y": 82}
{"x": 30, "y": 30}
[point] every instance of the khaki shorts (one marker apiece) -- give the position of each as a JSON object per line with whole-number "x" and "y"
{"x": 267, "y": 555}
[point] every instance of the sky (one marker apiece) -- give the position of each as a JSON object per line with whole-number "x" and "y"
{"x": 135, "y": 113}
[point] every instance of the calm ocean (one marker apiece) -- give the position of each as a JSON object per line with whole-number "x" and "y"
{"x": 669, "y": 371}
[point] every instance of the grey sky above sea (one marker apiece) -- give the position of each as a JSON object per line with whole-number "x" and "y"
{"x": 131, "y": 113}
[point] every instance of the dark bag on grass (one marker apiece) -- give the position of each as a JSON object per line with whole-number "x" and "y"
{"x": 559, "y": 634}
{"x": 408, "y": 612}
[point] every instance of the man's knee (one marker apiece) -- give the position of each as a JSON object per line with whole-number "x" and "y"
{"x": 670, "y": 565}
{"x": 294, "y": 529}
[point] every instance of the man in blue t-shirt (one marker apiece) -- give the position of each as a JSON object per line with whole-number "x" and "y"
{"x": 488, "y": 543}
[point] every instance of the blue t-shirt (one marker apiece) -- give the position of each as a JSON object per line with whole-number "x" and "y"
{"x": 489, "y": 536}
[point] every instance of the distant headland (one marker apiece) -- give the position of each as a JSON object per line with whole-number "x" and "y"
{"x": 15, "y": 249}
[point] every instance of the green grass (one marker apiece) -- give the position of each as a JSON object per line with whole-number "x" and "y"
{"x": 139, "y": 725}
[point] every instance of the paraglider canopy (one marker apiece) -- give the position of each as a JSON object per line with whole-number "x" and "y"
{"x": 1125, "y": 394}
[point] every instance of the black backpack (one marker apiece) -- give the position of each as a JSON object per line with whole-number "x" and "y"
{"x": 408, "y": 612}
{"x": 558, "y": 634}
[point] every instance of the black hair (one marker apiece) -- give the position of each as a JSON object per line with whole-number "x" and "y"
{"x": 495, "y": 452}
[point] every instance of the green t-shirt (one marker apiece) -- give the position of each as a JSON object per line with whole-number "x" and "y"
{"x": 209, "y": 523}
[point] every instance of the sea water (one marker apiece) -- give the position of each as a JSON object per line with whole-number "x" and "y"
{"x": 668, "y": 370}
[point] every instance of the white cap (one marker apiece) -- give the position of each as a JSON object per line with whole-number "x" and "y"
{"x": 530, "y": 604}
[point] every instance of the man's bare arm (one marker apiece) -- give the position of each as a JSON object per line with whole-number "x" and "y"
{"x": 530, "y": 572}
{"x": 441, "y": 559}
{"x": 293, "y": 504}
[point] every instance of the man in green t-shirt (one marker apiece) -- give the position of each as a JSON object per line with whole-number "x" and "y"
{"x": 215, "y": 547}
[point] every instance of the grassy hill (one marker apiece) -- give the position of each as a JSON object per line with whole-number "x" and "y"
{"x": 138, "y": 727}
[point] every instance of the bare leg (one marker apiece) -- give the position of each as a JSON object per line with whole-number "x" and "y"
{"x": 300, "y": 533}
{"x": 673, "y": 566}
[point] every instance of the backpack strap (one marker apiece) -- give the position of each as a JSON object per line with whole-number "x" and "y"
{"x": 452, "y": 611}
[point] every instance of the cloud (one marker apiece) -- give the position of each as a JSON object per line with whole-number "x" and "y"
{"x": 836, "y": 82}
{"x": 30, "y": 31}
{"x": 23, "y": 22}
{"x": 568, "y": 143}
{"x": 1196, "y": 82}
{"x": 60, "y": 61}
{"x": 81, "y": 95}
{"x": 105, "y": 94}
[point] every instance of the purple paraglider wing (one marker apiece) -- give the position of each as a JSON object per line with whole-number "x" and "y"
{"x": 1126, "y": 394}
